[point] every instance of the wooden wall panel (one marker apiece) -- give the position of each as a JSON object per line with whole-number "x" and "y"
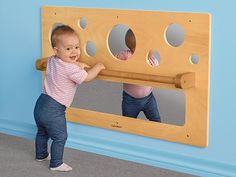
{"x": 149, "y": 28}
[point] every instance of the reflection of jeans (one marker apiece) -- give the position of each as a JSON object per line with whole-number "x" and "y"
{"x": 131, "y": 107}
{"x": 50, "y": 119}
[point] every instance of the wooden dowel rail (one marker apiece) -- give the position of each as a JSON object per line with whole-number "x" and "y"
{"x": 138, "y": 76}
{"x": 184, "y": 80}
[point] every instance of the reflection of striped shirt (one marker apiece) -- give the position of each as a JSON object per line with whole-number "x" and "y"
{"x": 61, "y": 80}
{"x": 136, "y": 91}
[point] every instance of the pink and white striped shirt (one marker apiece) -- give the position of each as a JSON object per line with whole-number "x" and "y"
{"x": 136, "y": 91}
{"x": 62, "y": 79}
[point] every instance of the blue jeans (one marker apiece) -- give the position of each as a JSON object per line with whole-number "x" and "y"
{"x": 50, "y": 119}
{"x": 131, "y": 107}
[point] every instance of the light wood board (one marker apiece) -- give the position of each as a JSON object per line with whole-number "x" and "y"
{"x": 149, "y": 28}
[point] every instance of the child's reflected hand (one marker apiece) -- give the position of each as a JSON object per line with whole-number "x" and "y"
{"x": 153, "y": 61}
{"x": 82, "y": 65}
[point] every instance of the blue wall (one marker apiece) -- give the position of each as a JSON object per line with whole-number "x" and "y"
{"x": 20, "y": 45}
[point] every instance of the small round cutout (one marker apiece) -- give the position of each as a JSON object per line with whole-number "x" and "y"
{"x": 174, "y": 35}
{"x": 153, "y": 58}
{"x": 82, "y": 22}
{"x": 194, "y": 59}
{"x": 90, "y": 48}
{"x": 121, "y": 42}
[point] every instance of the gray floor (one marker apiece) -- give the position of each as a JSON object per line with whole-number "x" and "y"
{"x": 17, "y": 160}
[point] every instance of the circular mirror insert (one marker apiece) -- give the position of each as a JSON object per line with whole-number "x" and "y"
{"x": 121, "y": 42}
{"x": 90, "y": 48}
{"x": 174, "y": 35}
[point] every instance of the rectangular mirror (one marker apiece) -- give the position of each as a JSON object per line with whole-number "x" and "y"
{"x": 106, "y": 97}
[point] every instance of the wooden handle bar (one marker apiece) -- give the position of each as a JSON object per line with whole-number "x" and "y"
{"x": 184, "y": 80}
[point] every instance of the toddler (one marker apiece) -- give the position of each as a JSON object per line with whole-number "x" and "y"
{"x": 63, "y": 75}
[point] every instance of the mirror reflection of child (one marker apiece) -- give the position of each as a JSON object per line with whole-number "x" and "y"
{"x": 63, "y": 75}
{"x": 138, "y": 98}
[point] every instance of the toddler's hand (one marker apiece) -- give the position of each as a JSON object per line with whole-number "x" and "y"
{"x": 100, "y": 65}
{"x": 82, "y": 65}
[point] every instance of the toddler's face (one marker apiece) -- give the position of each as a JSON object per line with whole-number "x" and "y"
{"x": 68, "y": 48}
